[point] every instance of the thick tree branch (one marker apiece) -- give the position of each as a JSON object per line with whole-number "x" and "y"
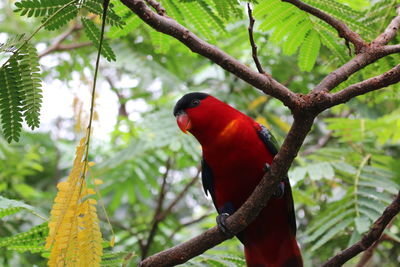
{"x": 341, "y": 74}
{"x": 157, "y": 6}
{"x": 344, "y": 31}
{"x": 369, "y": 238}
{"x": 370, "y": 54}
{"x": 252, "y": 42}
{"x": 392, "y": 49}
{"x": 390, "y": 31}
{"x": 372, "y": 84}
{"x": 170, "y": 27}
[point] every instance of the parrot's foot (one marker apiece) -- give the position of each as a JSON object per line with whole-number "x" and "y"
{"x": 221, "y": 222}
{"x": 280, "y": 190}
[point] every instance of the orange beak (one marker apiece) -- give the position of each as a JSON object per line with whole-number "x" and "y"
{"x": 184, "y": 122}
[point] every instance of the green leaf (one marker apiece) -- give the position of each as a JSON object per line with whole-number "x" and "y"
{"x": 296, "y": 38}
{"x": 93, "y": 33}
{"x": 10, "y": 206}
{"x": 331, "y": 233}
{"x": 362, "y": 224}
{"x": 309, "y": 51}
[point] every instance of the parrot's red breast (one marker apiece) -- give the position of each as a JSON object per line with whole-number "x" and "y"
{"x": 236, "y": 150}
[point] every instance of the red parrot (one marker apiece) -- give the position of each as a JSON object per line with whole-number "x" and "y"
{"x": 236, "y": 153}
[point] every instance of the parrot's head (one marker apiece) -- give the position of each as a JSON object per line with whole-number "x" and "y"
{"x": 204, "y": 116}
{"x": 188, "y": 109}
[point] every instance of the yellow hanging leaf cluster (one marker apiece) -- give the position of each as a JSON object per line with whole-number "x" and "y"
{"x": 74, "y": 233}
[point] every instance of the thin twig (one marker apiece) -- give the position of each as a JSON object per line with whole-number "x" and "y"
{"x": 168, "y": 210}
{"x": 183, "y": 225}
{"x": 367, "y": 255}
{"x": 252, "y": 42}
{"x": 369, "y": 238}
{"x": 55, "y": 46}
{"x": 320, "y": 144}
{"x": 343, "y": 30}
{"x": 160, "y": 202}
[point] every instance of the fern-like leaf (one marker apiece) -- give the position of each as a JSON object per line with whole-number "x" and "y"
{"x": 115, "y": 259}
{"x": 93, "y": 33}
{"x": 131, "y": 23}
{"x": 296, "y": 38}
{"x": 31, "y": 85}
{"x": 74, "y": 233}
{"x": 34, "y": 237}
{"x": 59, "y": 19}
{"x": 12, "y": 44}
{"x": 309, "y": 51}
{"x": 10, "y": 99}
{"x": 39, "y": 8}
{"x": 96, "y": 7}
{"x": 10, "y": 206}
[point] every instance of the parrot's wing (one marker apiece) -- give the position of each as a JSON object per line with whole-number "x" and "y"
{"x": 272, "y": 146}
{"x": 207, "y": 179}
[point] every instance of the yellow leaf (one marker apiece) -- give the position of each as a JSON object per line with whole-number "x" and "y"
{"x": 256, "y": 102}
{"x": 112, "y": 241}
{"x": 91, "y": 163}
{"x": 98, "y": 181}
{"x": 263, "y": 121}
{"x": 91, "y": 191}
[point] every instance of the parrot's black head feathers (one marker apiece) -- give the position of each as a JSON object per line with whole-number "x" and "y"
{"x": 189, "y": 100}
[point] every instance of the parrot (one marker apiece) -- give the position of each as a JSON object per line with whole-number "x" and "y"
{"x": 236, "y": 153}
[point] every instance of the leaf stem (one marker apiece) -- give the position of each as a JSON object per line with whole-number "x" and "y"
{"x": 357, "y": 180}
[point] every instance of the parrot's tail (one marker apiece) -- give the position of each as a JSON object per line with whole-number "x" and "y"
{"x": 270, "y": 241}
{"x": 264, "y": 254}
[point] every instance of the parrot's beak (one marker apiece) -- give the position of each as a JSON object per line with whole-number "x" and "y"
{"x": 183, "y": 121}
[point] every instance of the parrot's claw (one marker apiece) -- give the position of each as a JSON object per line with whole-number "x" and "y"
{"x": 221, "y": 222}
{"x": 280, "y": 190}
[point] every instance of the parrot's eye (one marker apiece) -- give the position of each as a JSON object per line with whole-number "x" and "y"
{"x": 194, "y": 103}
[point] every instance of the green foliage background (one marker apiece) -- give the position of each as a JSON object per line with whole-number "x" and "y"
{"x": 339, "y": 189}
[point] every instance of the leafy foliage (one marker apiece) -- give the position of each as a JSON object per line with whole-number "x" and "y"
{"x": 20, "y": 96}
{"x": 31, "y": 240}
{"x": 339, "y": 189}
{"x": 93, "y": 33}
{"x": 58, "y": 13}
{"x": 10, "y": 206}
{"x": 74, "y": 232}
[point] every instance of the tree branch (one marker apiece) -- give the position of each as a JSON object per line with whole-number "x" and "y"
{"x": 392, "y": 49}
{"x": 168, "y": 210}
{"x": 160, "y": 202}
{"x": 157, "y": 6}
{"x": 390, "y": 31}
{"x": 252, "y": 42}
{"x": 55, "y": 46}
{"x": 170, "y": 27}
{"x": 372, "y": 84}
{"x": 344, "y": 31}
{"x": 369, "y": 238}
